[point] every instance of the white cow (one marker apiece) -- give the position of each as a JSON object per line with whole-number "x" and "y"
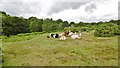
{"x": 62, "y": 38}
{"x": 76, "y": 36}
{"x": 70, "y": 33}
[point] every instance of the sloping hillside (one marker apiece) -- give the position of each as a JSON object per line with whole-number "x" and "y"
{"x": 43, "y": 51}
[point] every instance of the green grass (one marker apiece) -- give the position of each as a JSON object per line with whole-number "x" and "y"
{"x": 42, "y": 51}
{"x": 20, "y": 37}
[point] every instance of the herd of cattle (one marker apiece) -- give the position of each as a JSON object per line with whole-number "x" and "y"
{"x": 64, "y": 35}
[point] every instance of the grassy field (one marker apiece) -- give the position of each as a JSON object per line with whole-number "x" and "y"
{"x": 39, "y": 50}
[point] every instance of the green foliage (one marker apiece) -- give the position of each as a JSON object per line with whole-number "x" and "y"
{"x": 85, "y": 29}
{"x": 15, "y": 38}
{"x": 47, "y": 25}
{"x": 10, "y": 25}
{"x": 14, "y": 25}
{"x": 52, "y": 26}
{"x": 117, "y": 30}
{"x": 106, "y": 30}
{"x": 77, "y": 29}
{"x": 72, "y": 24}
{"x": 73, "y": 29}
{"x": 20, "y": 37}
{"x": 79, "y": 24}
{"x": 35, "y": 24}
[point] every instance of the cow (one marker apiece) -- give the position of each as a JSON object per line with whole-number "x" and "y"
{"x": 53, "y": 36}
{"x": 64, "y": 33}
{"x": 76, "y": 35}
{"x": 70, "y": 33}
{"x": 62, "y": 38}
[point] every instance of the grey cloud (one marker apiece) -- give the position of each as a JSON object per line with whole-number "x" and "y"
{"x": 54, "y": 0}
{"x": 82, "y": 0}
{"x": 90, "y": 8}
{"x": 107, "y": 15}
{"x": 94, "y": 19}
{"x": 19, "y": 8}
{"x": 119, "y": 10}
{"x": 12, "y": 8}
{"x": 61, "y": 6}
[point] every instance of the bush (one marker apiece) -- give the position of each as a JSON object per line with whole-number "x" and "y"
{"x": 85, "y": 29}
{"x": 73, "y": 29}
{"x": 28, "y": 34}
{"x": 77, "y": 29}
{"x": 106, "y": 30}
{"x": 24, "y": 34}
{"x": 117, "y": 31}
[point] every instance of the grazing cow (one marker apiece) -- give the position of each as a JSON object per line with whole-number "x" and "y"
{"x": 62, "y": 38}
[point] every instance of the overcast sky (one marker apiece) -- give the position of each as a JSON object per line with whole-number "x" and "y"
{"x": 69, "y": 10}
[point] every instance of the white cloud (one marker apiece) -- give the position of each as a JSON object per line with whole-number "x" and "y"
{"x": 103, "y": 12}
{"x": 26, "y": 8}
{"x": 107, "y": 11}
{"x": 103, "y": 9}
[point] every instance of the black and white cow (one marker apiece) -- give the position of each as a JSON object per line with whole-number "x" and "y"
{"x": 53, "y": 36}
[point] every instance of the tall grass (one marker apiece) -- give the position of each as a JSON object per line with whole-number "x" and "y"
{"x": 20, "y": 37}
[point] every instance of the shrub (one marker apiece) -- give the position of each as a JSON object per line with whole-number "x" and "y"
{"x": 117, "y": 31}
{"x": 106, "y": 30}
{"x": 85, "y": 29}
{"x": 73, "y": 29}
{"x": 76, "y": 29}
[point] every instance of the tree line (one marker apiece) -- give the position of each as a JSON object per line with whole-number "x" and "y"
{"x": 12, "y": 25}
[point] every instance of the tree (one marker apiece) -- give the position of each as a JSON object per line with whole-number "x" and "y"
{"x": 72, "y": 24}
{"x": 47, "y": 25}
{"x": 35, "y": 24}
{"x": 65, "y": 24}
{"x": 59, "y": 21}
{"x": 13, "y": 25}
{"x": 79, "y": 24}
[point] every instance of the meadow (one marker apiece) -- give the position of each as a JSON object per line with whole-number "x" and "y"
{"x": 38, "y": 50}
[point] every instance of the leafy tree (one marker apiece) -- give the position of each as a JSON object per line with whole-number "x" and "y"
{"x": 59, "y": 21}
{"x": 13, "y": 25}
{"x": 35, "y": 24}
{"x": 65, "y": 24}
{"x": 47, "y": 25}
{"x": 72, "y": 24}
